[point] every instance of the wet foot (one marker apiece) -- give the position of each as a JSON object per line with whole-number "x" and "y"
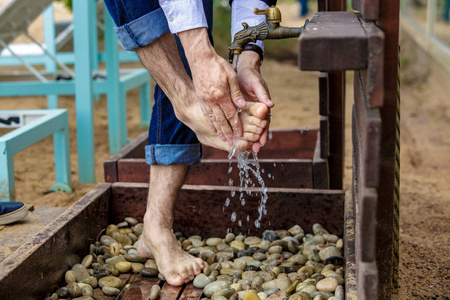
{"x": 176, "y": 265}
{"x": 253, "y": 118}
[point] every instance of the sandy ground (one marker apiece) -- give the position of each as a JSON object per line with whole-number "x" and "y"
{"x": 425, "y": 145}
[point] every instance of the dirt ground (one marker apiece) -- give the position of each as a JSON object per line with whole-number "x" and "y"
{"x": 425, "y": 163}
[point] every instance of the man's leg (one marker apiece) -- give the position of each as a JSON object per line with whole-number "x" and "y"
{"x": 157, "y": 240}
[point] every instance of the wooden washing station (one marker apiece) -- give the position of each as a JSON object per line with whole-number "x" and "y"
{"x": 307, "y": 189}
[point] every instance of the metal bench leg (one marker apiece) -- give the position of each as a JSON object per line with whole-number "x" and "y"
{"x": 7, "y": 188}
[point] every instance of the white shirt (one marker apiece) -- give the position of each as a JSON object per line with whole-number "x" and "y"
{"x": 184, "y": 15}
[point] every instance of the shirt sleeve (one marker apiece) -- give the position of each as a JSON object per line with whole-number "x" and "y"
{"x": 184, "y": 15}
{"x": 242, "y": 11}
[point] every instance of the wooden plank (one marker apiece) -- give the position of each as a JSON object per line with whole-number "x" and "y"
{"x": 323, "y": 94}
{"x": 170, "y": 292}
{"x": 15, "y": 235}
{"x": 337, "y": 128}
{"x": 370, "y": 9}
{"x": 372, "y": 79}
{"x": 34, "y": 269}
{"x": 321, "y": 176}
{"x": 368, "y": 281}
{"x": 389, "y": 24}
{"x": 367, "y": 223}
{"x": 336, "y": 5}
{"x": 349, "y": 248}
{"x": 201, "y": 209}
{"x": 282, "y": 144}
{"x": 140, "y": 288}
{"x": 324, "y": 137}
{"x": 190, "y": 292}
{"x": 333, "y": 41}
{"x": 368, "y": 133}
{"x": 133, "y": 149}
{"x": 292, "y": 173}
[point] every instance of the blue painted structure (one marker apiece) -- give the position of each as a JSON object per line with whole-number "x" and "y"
{"x": 37, "y": 124}
{"x": 86, "y": 57}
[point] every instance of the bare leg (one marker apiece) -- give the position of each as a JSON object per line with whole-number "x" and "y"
{"x": 157, "y": 240}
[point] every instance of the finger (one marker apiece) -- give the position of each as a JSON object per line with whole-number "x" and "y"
{"x": 251, "y": 137}
{"x": 256, "y": 121}
{"x": 235, "y": 91}
{"x": 256, "y": 147}
{"x": 232, "y": 116}
{"x": 254, "y": 129}
{"x": 223, "y": 124}
{"x": 262, "y": 94}
{"x": 263, "y": 139}
{"x": 207, "y": 112}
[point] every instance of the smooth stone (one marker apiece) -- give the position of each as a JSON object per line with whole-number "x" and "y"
{"x": 218, "y": 297}
{"x": 318, "y": 229}
{"x": 238, "y": 245}
{"x": 309, "y": 289}
{"x": 123, "y": 266}
{"x": 270, "y": 235}
{"x": 275, "y": 249}
{"x": 110, "y": 281}
{"x": 237, "y": 286}
{"x": 134, "y": 257}
{"x": 265, "y": 244}
{"x": 114, "y": 249}
{"x": 280, "y": 295}
{"x": 325, "y": 295}
{"x": 282, "y": 243}
{"x": 201, "y": 280}
{"x": 131, "y": 221}
{"x": 74, "y": 290}
{"x": 313, "y": 241}
{"x": 111, "y": 228}
{"x": 70, "y": 277}
{"x": 334, "y": 260}
{"x": 229, "y": 237}
{"x": 315, "y": 255}
{"x": 297, "y": 276}
{"x": 110, "y": 291}
{"x": 282, "y": 233}
{"x": 339, "y": 293}
{"x": 213, "y": 242}
{"x": 114, "y": 260}
{"x": 257, "y": 282}
{"x": 80, "y": 271}
{"x": 327, "y": 284}
{"x": 331, "y": 238}
{"x": 62, "y": 293}
{"x": 282, "y": 283}
{"x": 298, "y": 259}
{"x": 240, "y": 237}
{"x": 319, "y": 297}
{"x": 53, "y": 296}
{"x": 224, "y": 256}
{"x": 227, "y": 293}
{"x": 107, "y": 240}
{"x": 272, "y": 291}
{"x": 215, "y": 286}
{"x": 262, "y": 296}
{"x": 330, "y": 252}
{"x": 318, "y": 267}
{"x": 149, "y": 272}
{"x": 222, "y": 246}
{"x": 231, "y": 272}
{"x": 125, "y": 231}
{"x": 340, "y": 243}
{"x": 91, "y": 281}
{"x": 293, "y": 247}
{"x": 300, "y": 296}
{"x": 250, "y": 295}
{"x": 87, "y": 261}
{"x": 259, "y": 256}
{"x": 83, "y": 298}
{"x": 154, "y": 292}
{"x": 122, "y": 238}
{"x": 87, "y": 291}
{"x": 136, "y": 267}
{"x": 339, "y": 278}
{"x": 197, "y": 243}
{"x": 306, "y": 270}
{"x": 151, "y": 263}
{"x": 195, "y": 237}
{"x": 138, "y": 229}
{"x": 252, "y": 240}
{"x": 296, "y": 229}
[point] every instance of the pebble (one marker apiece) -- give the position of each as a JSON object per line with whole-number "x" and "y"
{"x": 87, "y": 261}
{"x": 212, "y": 242}
{"x": 201, "y": 280}
{"x": 80, "y": 271}
{"x": 251, "y": 295}
{"x": 149, "y": 272}
{"x": 123, "y": 266}
{"x": 110, "y": 281}
{"x": 300, "y": 296}
{"x": 154, "y": 292}
{"x": 87, "y": 291}
{"x": 70, "y": 277}
{"x": 135, "y": 257}
{"x": 330, "y": 252}
{"x": 62, "y": 293}
{"x": 131, "y": 221}
{"x": 215, "y": 286}
{"x": 110, "y": 291}
{"x": 238, "y": 245}
{"x": 114, "y": 249}
{"x": 114, "y": 260}
{"x": 229, "y": 237}
{"x": 280, "y": 295}
{"x": 136, "y": 267}
{"x": 318, "y": 229}
{"x": 107, "y": 240}
{"x": 83, "y": 298}
{"x": 74, "y": 290}
{"x": 327, "y": 284}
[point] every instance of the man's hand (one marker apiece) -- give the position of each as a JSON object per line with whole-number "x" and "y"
{"x": 215, "y": 84}
{"x": 253, "y": 87}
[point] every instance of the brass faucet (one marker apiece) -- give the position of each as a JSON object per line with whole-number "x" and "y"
{"x": 270, "y": 29}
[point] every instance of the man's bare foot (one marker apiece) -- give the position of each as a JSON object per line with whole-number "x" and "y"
{"x": 253, "y": 119}
{"x": 176, "y": 265}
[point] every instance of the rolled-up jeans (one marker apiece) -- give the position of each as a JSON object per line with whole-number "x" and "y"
{"x": 138, "y": 24}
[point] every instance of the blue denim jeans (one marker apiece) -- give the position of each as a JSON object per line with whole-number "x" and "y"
{"x": 138, "y": 24}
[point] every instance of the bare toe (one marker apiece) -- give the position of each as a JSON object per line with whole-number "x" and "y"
{"x": 257, "y": 109}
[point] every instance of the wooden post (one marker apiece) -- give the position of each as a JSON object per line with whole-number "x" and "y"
{"x": 387, "y": 254}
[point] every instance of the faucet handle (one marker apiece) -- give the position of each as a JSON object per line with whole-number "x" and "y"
{"x": 272, "y": 13}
